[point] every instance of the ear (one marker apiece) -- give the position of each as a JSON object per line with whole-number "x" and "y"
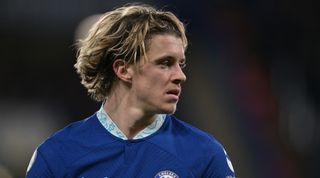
{"x": 122, "y": 70}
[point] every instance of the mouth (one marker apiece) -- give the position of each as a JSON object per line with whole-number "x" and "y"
{"x": 174, "y": 93}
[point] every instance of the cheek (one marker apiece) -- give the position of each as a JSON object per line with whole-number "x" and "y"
{"x": 154, "y": 79}
{"x": 153, "y": 83}
{"x": 159, "y": 82}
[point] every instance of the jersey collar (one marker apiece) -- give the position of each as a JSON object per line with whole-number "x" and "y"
{"x": 111, "y": 127}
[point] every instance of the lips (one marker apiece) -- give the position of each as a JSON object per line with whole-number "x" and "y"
{"x": 174, "y": 92}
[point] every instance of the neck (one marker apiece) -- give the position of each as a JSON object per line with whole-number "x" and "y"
{"x": 129, "y": 118}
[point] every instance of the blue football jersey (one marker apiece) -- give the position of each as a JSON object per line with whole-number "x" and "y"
{"x": 86, "y": 149}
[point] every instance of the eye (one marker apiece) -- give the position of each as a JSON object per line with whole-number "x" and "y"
{"x": 165, "y": 63}
{"x": 168, "y": 62}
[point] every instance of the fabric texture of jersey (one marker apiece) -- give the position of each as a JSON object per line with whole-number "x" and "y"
{"x": 85, "y": 149}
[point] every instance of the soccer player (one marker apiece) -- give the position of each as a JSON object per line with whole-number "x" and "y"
{"x": 132, "y": 62}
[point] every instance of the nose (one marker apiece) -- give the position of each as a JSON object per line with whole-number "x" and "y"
{"x": 179, "y": 76}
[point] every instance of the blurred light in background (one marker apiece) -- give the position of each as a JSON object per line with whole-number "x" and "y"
{"x": 82, "y": 30}
{"x": 4, "y": 173}
{"x": 24, "y": 125}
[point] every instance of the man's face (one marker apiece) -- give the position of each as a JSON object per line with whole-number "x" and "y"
{"x": 156, "y": 82}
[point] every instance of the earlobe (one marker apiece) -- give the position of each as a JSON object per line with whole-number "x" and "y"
{"x": 122, "y": 70}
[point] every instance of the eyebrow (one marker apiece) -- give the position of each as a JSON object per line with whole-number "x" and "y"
{"x": 182, "y": 60}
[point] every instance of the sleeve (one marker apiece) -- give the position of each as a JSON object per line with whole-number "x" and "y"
{"x": 38, "y": 167}
{"x": 219, "y": 165}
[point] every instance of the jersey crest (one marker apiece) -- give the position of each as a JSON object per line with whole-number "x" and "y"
{"x": 166, "y": 174}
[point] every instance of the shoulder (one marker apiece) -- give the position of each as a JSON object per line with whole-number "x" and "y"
{"x": 179, "y": 135}
{"x": 199, "y": 148}
{"x": 68, "y": 134}
{"x": 65, "y": 136}
{"x": 197, "y": 135}
{"x": 69, "y": 144}
{"x": 75, "y": 137}
{"x": 186, "y": 130}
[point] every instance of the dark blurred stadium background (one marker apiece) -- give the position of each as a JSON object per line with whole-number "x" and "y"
{"x": 253, "y": 78}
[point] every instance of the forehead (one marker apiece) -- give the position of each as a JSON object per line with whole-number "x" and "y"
{"x": 165, "y": 45}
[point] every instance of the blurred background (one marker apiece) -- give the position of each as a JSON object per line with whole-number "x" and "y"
{"x": 253, "y": 78}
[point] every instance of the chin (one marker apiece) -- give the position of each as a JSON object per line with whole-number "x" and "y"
{"x": 169, "y": 110}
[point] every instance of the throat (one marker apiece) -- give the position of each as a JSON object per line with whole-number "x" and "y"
{"x": 138, "y": 126}
{"x": 127, "y": 114}
{"x": 131, "y": 126}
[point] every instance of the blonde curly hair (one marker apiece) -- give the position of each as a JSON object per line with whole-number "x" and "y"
{"x": 120, "y": 34}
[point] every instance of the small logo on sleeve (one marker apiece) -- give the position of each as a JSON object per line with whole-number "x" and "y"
{"x": 166, "y": 174}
